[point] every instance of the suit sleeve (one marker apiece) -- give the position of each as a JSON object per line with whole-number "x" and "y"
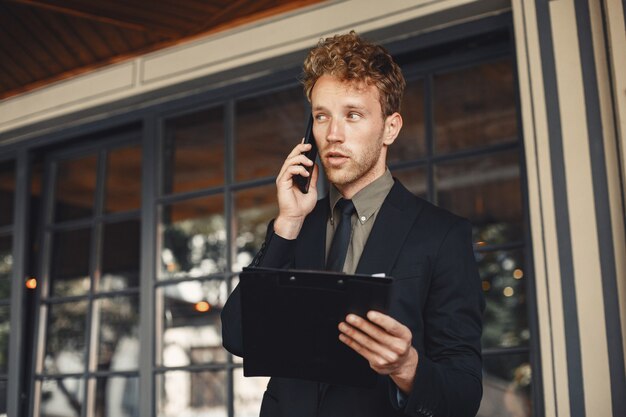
{"x": 448, "y": 381}
{"x": 275, "y": 252}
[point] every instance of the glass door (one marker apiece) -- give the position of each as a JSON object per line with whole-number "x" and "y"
{"x": 87, "y": 346}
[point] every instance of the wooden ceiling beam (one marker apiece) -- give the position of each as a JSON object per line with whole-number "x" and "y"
{"x": 83, "y": 14}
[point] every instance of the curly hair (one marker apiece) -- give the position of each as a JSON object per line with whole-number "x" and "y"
{"x": 351, "y": 58}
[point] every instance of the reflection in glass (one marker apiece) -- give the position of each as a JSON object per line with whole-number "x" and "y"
{"x": 75, "y": 188}
{"x": 120, "y": 255}
{"x": 254, "y": 208}
{"x": 414, "y": 179}
{"x": 62, "y": 397}
{"x": 248, "y": 394}
{"x": 123, "y": 180}
{"x": 191, "y": 393}
{"x": 193, "y": 154}
{"x": 487, "y": 191}
{"x": 117, "y": 397}
{"x": 411, "y": 142}
{"x": 69, "y": 272}
{"x": 193, "y": 238}
{"x": 5, "y": 327}
{"x": 65, "y": 338}
{"x": 475, "y": 107}
{"x": 7, "y": 192}
{"x": 504, "y": 287}
{"x": 6, "y": 266}
{"x": 118, "y": 339}
{"x": 506, "y": 386}
{"x": 267, "y": 128}
{"x": 192, "y": 331}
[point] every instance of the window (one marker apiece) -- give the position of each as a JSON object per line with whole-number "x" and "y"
{"x": 213, "y": 160}
{"x": 462, "y": 151}
{"x": 90, "y": 291}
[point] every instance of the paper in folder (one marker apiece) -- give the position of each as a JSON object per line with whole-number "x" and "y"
{"x": 290, "y": 319}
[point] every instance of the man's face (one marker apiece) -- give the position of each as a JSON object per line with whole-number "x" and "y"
{"x": 351, "y": 133}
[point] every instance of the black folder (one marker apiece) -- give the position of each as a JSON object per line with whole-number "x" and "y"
{"x": 290, "y": 319}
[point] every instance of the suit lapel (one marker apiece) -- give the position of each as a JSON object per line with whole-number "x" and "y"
{"x": 311, "y": 250}
{"x": 393, "y": 223}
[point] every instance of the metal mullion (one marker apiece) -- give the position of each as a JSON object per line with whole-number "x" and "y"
{"x": 189, "y": 195}
{"x": 119, "y": 216}
{"x": 505, "y": 351}
{"x": 15, "y": 373}
{"x": 429, "y": 129}
{"x": 151, "y": 142}
{"x": 196, "y": 367}
{"x": 516, "y": 245}
{"x": 230, "y": 137}
{"x": 43, "y": 267}
{"x": 70, "y": 225}
{"x": 212, "y": 277}
{"x": 93, "y": 315}
{"x": 480, "y": 151}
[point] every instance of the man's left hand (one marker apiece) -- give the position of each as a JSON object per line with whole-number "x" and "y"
{"x": 385, "y": 343}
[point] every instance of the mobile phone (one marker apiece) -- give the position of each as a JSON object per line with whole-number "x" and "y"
{"x": 301, "y": 182}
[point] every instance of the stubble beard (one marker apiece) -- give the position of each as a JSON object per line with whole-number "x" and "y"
{"x": 357, "y": 166}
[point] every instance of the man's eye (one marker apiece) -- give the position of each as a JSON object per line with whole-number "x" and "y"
{"x": 354, "y": 116}
{"x": 320, "y": 117}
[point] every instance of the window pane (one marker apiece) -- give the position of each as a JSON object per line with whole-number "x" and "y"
{"x": 117, "y": 397}
{"x": 504, "y": 287}
{"x": 5, "y": 327}
{"x": 193, "y": 238}
{"x": 411, "y": 142}
{"x": 254, "y": 209}
{"x": 118, "y": 339}
{"x": 120, "y": 255}
{"x": 268, "y": 127}
{"x": 69, "y": 272}
{"x": 123, "y": 181}
{"x": 65, "y": 338}
{"x": 475, "y": 107}
{"x": 62, "y": 398}
{"x": 192, "y": 330}
{"x": 6, "y": 266}
{"x": 506, "y": 386}
{"x": 7, "y": 192}
{"x": 486, "y": 190}
{"x": 192, "y": 393}
{"x": 193, "y": 154}
{"x": 75, "y": 188}
{"x": 248, "y": 394}
{"x": 414, "y": 179}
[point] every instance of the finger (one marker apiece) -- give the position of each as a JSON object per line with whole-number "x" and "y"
{"x": 378, "y": 363}
{"x": 389, "y": 324}
{"x": 386, "y": 340}
{"x": 389, "y": 348}
{"x": 295, "y": 160}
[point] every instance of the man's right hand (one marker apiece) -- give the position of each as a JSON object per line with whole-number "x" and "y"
{"x": 293, "y": 205}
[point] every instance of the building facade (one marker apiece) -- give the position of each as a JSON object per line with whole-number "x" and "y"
{"x": 132, "y": 196}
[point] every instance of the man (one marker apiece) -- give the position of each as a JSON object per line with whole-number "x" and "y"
{"x": 427, "y": 350}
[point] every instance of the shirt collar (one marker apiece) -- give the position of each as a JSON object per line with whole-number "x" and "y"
{"x": 368, "y": 200}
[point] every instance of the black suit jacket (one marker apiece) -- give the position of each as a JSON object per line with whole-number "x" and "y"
{"x": 436, "y": 294}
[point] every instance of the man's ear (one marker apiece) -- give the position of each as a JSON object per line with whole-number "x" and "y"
{"x": 393, "y": 124}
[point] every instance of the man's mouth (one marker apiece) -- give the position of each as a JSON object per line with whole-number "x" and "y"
{"x": 336, "y": 158}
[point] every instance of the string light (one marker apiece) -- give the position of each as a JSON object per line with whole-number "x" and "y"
{"x": 31, "y": 283}
{"x": 202, "y": 306}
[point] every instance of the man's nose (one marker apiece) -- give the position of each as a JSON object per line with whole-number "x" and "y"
{"x": 335, "y": 131}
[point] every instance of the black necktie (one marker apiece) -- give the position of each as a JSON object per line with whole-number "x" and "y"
{"x": 341, "y": 239}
